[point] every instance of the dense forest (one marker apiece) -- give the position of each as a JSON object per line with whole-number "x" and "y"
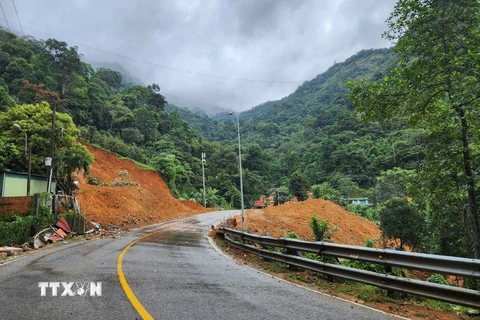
{"x": 342, "y": 135}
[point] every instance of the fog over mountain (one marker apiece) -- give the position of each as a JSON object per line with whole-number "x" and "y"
{"x": 210, "y": 53}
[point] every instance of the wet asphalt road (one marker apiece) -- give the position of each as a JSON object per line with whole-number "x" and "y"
{"x": 174, "y": 273}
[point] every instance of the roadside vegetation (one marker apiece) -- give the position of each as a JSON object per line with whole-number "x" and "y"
{"x": 398, "y": 126}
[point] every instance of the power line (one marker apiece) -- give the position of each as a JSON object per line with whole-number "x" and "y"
{"x": 173, "y": 68}
{"x": 8, "y": 26}
{"x": 16, "y": 12}
{"x": 176, "y": 69}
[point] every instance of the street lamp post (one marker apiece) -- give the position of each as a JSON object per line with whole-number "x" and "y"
{"x": 240, "y": 166}
{"x": 28, "y": 153}
{"x": 52, "y": 149}
{"x": 203, "y": 175}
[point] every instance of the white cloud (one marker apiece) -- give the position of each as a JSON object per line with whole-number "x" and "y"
{"x": 247, "y": 39}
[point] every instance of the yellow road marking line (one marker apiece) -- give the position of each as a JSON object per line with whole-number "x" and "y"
{"x": 123, "y": 282}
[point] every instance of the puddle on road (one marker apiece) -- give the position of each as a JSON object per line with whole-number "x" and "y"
{"x": 175, "y": 238}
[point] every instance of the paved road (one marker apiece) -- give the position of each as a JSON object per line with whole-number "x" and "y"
{"x": 174, "y": 273}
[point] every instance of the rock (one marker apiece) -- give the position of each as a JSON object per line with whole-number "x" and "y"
{"x": 3, "y": 255}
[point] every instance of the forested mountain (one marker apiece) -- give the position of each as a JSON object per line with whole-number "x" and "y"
{"x": 317, "y": 132}
{"x": 127, "y": 79}
{"x": 425, "y": 156}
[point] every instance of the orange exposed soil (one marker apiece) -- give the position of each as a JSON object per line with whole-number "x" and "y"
{"x": 278, "y": 221}
{"x": 352, "y": 230}
{"x": 150, "y": 202}
{"x": 132, "y": 205}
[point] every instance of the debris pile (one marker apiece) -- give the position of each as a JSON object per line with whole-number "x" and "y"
{"x": 55, "y": 233}
{"x": 96, "y": 230}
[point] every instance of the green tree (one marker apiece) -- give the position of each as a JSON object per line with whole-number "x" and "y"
{"x": 298, "y": 185}
{"x": 35, "y": 120}
{"x": 132, "y": 135}
{"x": 400, "y": 219}
{"x": 391, "y": 184}
{"x": 321, "y": 229}
{"x": 6, "y": 102}
{"x": 63, "y": 62}
{"x": 112, "y": 78}
{"x": 171, "y": 170}
{"x": 17, "y": 71}
{"x": 435, "y": 86}
{"x": 69, "y": 162}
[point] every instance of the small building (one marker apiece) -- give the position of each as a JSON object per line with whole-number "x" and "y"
{"x": 14, "y": 184}
{"x": 358, "y": 201}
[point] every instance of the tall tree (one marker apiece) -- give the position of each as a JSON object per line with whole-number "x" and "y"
{"x": 436, "y": 86}
{"x": 63, "y": 61}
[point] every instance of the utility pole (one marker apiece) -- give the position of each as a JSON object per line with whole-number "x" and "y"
{"x": 240, "y": 167}
{"x": 203, "y": 175}
{"x": 52, "y": 148}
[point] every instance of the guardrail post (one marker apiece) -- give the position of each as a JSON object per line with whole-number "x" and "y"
{"x": 388, "y": 271}
{"x": 291, "y": 252}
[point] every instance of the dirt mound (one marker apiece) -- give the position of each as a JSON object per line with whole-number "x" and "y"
{"x": 278, "y": 221}
{"x": 141, "y": 198}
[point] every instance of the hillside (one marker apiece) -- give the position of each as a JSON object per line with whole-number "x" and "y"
{"x": 128, "y": 206}
{"x": 279, "y": 220}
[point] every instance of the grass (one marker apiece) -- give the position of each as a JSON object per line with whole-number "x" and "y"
{"x": 139, "y": 164}
{"x": 370, "y": 295}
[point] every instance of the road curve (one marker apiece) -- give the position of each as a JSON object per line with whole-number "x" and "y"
{"x": 173, "y": 272}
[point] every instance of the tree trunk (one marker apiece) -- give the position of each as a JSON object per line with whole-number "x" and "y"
{"x": 472, "y": 196}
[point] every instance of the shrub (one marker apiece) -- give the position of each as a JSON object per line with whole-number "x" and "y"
{"x": 96, "y": 182}
{"x": 16, "y": 229}
{"x": 291, "y": 235}
{"x": 437, "y": 278}
{"x": 321, "y": 229}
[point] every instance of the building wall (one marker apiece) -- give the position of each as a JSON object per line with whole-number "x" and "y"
{"x": 15, "y": 185}
{"x": 15, "y": 205}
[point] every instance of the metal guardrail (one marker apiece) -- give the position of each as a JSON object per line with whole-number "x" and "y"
{"x": 416, "y": 261}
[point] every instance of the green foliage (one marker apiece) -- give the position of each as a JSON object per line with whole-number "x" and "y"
{"x": 71, "y": 161}
{"x": 291, "y": 235}
{"x": 435, "y": 88}
{"x": 298, "y": 185}
{"x": 16, "y": 229}
{"x": 370, "y": 242}
{"x": 400, "y": 219}
{"x": 96, "y": 181}
{"x": 280, "y": 195}
{"x": 471, "y": 283}
{"x": 35, "y": 121}
{"x": 326, "y": 192}
{"x": 321, "y": 229}
{"x": 112, "y": 78}
{"x": 171, "y": 170}
{"x": 437, "y": 278}
{"x": 6, "y": 101}
{"x": 392, "y": 183}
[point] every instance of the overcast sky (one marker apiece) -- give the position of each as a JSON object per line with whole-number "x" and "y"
{"x": 233, "y": 54}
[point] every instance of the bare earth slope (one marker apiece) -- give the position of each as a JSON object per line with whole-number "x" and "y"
{"x": 128, "y": 206}
{"x": 278, "y": 221}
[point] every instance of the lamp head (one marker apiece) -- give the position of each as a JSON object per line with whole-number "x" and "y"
{"x": 17, "y": 126}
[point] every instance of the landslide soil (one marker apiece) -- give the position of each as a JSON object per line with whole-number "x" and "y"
{"x": 145, "y": 201}
{"x": 352, "y": 230}
{"x": 151, "y": 202}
